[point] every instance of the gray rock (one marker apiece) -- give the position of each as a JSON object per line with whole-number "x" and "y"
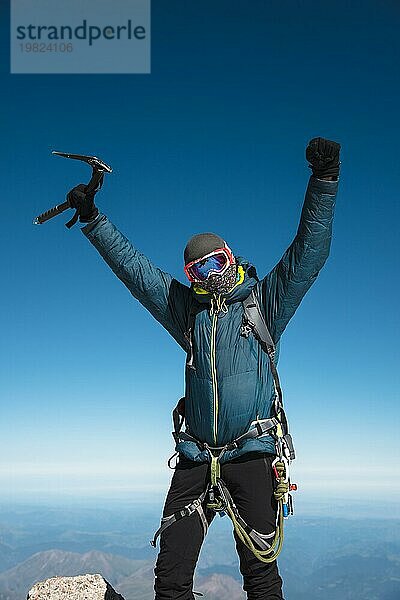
{"x": 83, "y": 587}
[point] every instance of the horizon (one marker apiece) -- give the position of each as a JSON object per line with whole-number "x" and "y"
{"x": 311, "y": 509}
{"x": 306, "y": 505}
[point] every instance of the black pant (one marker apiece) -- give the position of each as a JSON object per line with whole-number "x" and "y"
{"x": 250, "y": 482}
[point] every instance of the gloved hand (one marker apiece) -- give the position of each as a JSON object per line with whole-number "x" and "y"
{"x": 83, "y": 202}
{"x": 323, "y": 156}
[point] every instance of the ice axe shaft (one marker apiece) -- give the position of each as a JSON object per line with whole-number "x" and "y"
{"x": 96, "y": 181}
{"x": 52, "y": 212}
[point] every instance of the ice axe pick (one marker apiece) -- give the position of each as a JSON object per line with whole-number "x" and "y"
{"x": 96, "y": 181}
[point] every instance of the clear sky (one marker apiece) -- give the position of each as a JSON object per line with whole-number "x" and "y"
{"x": 212, "y": 140}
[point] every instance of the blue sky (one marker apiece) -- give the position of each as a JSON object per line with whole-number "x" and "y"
{"x": 213, "y": 139}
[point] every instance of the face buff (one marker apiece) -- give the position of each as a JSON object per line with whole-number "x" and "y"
{"x": 220, "y": 284}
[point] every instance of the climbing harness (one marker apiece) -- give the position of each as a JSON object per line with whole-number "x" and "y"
{"x": 216, "y": 496}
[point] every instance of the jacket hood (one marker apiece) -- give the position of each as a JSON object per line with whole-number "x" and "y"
{"x": 246, "y": 280}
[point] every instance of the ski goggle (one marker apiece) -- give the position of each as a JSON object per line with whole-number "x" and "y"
{"x": 216, "y": 262}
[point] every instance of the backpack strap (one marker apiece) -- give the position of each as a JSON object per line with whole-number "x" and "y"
{"x": 254, "y": 321}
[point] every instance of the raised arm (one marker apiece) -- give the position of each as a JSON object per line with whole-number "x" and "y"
{"x": 164, "y": 297}
{"x": 282, "y": 290}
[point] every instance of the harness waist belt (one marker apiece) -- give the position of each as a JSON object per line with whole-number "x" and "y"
{"x": 261, "y": 427}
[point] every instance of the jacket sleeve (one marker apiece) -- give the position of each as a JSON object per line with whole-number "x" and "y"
{"x": 164, "y": 297}
{"x": 284, "y": 287}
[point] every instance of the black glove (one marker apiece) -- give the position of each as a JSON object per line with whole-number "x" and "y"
{"x": 84, "y": 203}
{"x": 323, "y": 156}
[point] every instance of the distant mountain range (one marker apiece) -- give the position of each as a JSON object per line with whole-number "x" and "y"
{"x": 333, "y": 559}
{"x": 348, "y": 577}
{"x": 131, "y": 578}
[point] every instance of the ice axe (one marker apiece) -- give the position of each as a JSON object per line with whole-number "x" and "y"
{"x": 96, "y": 181}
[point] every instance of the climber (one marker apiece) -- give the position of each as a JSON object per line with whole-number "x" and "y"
{"x": 231, "y": 388}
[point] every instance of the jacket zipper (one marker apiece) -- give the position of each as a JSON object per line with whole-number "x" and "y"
{"x": 217, "y": 305}
{"x": 214, "y": 373}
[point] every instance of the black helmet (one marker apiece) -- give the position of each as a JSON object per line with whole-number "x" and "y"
{"x": 201, "y": 244}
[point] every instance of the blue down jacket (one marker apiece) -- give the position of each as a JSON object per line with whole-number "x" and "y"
{"x": 230, "y": 385}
